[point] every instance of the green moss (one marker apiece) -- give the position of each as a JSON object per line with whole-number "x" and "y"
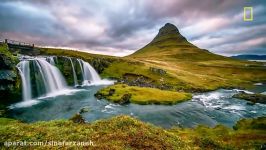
{"x": 245, "y": 124}
{"x": 142, "y": 95}
{"x": 247, "y": 136}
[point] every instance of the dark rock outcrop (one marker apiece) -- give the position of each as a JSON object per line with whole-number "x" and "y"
{"x": 10, "y": 90}
{"x": 142, "y": 81}
{"x": 84, "y": 110}
{"x": 99, "y": 64}
{"x": 77, "y": 118}
{"x": 252, "y": 98}
{"x": 111, "y": 92}
{"x": 125, "y": 99}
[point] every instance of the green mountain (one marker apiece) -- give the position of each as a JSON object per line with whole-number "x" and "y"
{"x": 170, "y": 43}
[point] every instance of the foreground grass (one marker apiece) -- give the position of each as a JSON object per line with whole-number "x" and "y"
{"x": 120, "y": 132}
{"x": 124, "y": 132}
{"x": 142, "y": 95}
{"x": 247, "y": 134}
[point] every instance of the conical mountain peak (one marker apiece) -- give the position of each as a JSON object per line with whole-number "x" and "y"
{"x": 168, "y": 42}
{"x": 168, "y": 28}
{"x": 168, "y": 32}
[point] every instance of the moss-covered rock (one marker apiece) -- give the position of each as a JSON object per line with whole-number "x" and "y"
{"x": 254, "y": 98}
{"x": 77, "y": 118}
{"x": 10, "y": 90}
{"x": 141, "y": 95}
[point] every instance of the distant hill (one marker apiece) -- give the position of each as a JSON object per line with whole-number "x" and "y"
{"x": 250, "y": 57}
{"x": 169, "y": 43}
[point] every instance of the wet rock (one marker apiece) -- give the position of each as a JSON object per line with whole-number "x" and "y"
{"x": 99, "y": 95}
{"x": 99, "y": 64}
{"x": 8, "y": 75}
{"x": 6, "y": 62}
{"x": 125, "y": 99}
{"x": 250, "y": 103}
{"x": 111, "y": 92}
{"x": 84, "y": 110}
{"x": 10, "y": 90}
{"x": 252, "y": 98}
{"x": 77, "y": 118}
{"x": 263, "y": 146}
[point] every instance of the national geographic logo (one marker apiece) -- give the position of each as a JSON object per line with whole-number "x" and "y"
{"x": 248, "y": 14}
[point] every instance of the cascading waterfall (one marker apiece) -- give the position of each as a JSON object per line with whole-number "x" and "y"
{"x": 89, "y": 74}
{"x": 24, "y": 71}
{"x": 81, "y": 68}
{"x": 41, "y": 77}
{"x": 52, "y": 77}
{"x": 51, "y": 60}
{"x": 74, "y": 72}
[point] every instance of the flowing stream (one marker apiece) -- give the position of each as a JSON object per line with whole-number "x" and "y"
{"x": 211, "y": 108}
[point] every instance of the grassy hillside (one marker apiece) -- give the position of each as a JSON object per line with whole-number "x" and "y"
{"x": 124, "y": 132}
{"x": 169, "y": 50}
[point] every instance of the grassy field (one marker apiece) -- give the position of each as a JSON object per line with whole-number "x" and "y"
{"x": 143, "y": 95}
{"x": 124, "y": 132}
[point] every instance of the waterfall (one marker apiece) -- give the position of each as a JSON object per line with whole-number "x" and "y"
{"x": 81, "y": 68}
{"x": 45, "y": 76}
{"x": 41, "y": 77}
{"x": 24, "y": 71}
{"x": 51, "y": 60}
{"x": 74, "y": 72}
{"x": 89, "y": 74}
{"x": 52, "y": 77}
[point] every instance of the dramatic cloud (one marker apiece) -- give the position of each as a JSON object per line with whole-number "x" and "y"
{"x": 120, "y": 27}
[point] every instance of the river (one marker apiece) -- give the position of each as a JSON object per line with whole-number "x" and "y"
{"x": 211, "y": 108}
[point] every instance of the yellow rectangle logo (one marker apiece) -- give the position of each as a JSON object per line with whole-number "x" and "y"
{"x": 248, "y": 14}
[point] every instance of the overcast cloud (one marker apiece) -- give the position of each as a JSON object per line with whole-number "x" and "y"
{"x": 120, "y": 27}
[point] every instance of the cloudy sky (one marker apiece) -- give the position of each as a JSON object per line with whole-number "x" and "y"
{"x": 120, "y": 27}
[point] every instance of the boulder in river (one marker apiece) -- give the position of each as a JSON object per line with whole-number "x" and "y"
{"x": 254, "y": 98}
{"x": 125, "y": 99}
{"x": 84, "y": 110}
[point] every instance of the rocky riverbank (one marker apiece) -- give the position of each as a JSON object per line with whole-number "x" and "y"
{"x": 10, "y": 90}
